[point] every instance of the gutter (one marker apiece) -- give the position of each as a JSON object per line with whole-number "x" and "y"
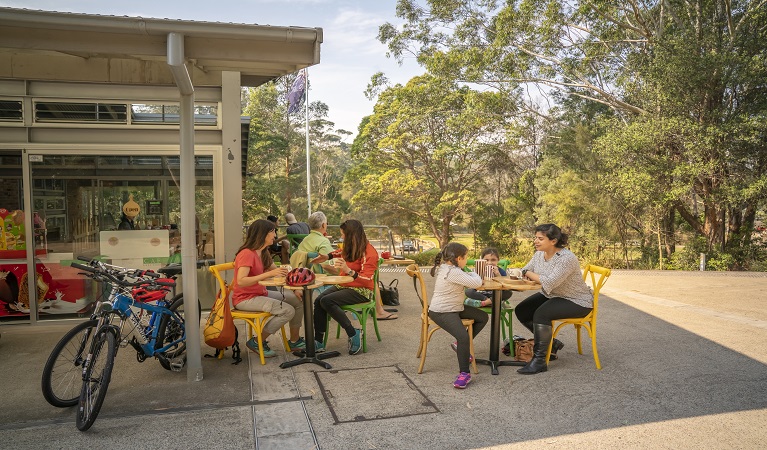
{"x": 13, "y": 17}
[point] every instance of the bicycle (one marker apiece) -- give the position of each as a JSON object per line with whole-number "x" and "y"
{"x": 160, "y": 335}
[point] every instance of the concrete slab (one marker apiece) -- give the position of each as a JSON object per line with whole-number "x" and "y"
{"x": 684, "y": 366}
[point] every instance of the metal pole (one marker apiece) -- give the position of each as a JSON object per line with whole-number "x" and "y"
{"x": 308, "y": 159}
{"x": 176, "y": 61}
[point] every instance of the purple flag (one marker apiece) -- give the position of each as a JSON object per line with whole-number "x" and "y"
{"x": 296, "y": 93}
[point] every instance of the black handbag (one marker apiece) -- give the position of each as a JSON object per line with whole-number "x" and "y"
{"x": 390, "y": 294}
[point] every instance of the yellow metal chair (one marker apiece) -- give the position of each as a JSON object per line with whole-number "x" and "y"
{"x": 254, "y": 320}
{"x": 362, "y": 311}
{"x": 428, "y": 327}
{"x": 598, "y": 276}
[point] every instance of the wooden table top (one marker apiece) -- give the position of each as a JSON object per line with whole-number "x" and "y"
{"x": 319, "y": 281}
{"x": 508, "y": 284}
{"x": 397, "y": 262}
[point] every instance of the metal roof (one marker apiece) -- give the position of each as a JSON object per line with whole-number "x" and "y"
{"x": 56, "y": 45}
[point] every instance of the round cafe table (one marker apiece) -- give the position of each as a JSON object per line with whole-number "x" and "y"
{"x": 497, "y": 285}
{"x": 309, "y": 355}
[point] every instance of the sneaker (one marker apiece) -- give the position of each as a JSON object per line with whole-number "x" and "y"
{"x": 454, "y": 346}
{"x": 300, "y": 344}
{"x": 252, "y": 344}
{"x": 462, "y": 380}
{"x": 318, "y": 346}
{"x": 354, "y": 342}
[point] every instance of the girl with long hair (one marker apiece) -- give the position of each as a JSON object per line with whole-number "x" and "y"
{"x": 359, "y": 260}
{"x": 252, "y": 264}
{"x": 447, "y": 308}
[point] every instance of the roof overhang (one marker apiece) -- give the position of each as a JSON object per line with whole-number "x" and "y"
{"x": 83, "y": 47}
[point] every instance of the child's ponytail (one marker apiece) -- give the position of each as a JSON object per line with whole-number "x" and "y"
{"x": 450, "y": 253}
{"x": 437, "y": 261}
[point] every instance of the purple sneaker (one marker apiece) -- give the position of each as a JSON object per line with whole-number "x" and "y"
{"x": 454, "y": 346}
{"x": 462, "y": 380}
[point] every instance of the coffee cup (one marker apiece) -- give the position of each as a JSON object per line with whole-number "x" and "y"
{"x": 515, "y": 273}
{"x": 386, "y": 255}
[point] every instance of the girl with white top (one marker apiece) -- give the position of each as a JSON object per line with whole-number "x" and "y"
{"x": 447, "y": 309}
{"x": 563, "y": 293}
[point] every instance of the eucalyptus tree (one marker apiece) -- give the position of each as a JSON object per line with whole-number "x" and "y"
{"x": 427, "y": 150}
{"x": 689, "y": 73}
{"x": 276, "y": 167}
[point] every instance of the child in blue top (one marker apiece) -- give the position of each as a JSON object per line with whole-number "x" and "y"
{"x": 481, "y": 299}
{"x": 446, "y": 308}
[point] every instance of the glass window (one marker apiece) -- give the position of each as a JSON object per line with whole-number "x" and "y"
{"x": 11, "y": 111}
{"x": 168, "y": 113}
{"x": 81, "y": 112}
{"x": 123, "y": 208}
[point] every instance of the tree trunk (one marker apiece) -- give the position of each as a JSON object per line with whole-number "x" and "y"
{"x": 288, "y": 192}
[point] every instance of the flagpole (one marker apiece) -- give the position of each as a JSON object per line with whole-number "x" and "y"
{"x": 308, "y": 159}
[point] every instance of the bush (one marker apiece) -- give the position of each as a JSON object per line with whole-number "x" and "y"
{"x": 426, "y": 258}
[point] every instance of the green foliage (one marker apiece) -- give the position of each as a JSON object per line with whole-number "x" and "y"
{"x": 276, "y": 180}
{"x": 659, "y": 118}
{"x": 423, "y": 151}
{"x": 426, "y": 258}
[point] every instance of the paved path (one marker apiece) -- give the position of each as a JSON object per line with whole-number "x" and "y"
{"x": 684, "y": 366}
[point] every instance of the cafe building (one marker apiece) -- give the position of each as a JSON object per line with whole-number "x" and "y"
{"x": 93, "y": 114}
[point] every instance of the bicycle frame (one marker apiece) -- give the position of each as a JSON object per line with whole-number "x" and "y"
{"x": 146, "y": 336}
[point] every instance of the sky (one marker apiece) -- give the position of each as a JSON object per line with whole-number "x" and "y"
{"x": 350, "y": 53}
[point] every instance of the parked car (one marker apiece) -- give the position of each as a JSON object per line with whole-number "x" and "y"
{"x": 408, "y": 246}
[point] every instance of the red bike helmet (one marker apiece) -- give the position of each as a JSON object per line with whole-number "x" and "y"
{"x": 300, "y": 276}
{"x": 150, "y": 293}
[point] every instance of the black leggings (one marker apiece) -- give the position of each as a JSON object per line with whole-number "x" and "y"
{"x": 329, "y": 303}
{"x": 542, "y": 310}
{"x": 483, "y": 295}
{"x": 451, "y": 322}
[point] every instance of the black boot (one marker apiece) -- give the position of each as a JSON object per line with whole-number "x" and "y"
{"x": 528, "y": 325}
{"x": 557, "y": 345}
{"x": 542, "y": 338}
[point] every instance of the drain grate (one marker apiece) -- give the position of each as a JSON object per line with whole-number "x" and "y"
{"x": 372, "y": 393}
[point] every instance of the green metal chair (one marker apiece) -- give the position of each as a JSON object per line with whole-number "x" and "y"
{"x": 294, "y": 240}
{"x": 362, "y": 311}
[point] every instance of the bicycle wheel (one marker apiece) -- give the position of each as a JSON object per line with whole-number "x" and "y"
{"x": 97, "y": 376}
{"x": 172, "y": 330}
{"x": 63, "y": 373}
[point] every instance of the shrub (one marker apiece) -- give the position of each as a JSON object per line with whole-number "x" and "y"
{"x": 426, "y": 258}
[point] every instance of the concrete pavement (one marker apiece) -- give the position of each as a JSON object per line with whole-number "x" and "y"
{"x": 683, "y": 356}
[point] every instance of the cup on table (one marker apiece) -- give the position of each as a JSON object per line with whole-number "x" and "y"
{"x": 515, "y": 273}
{"x": 479, "y": 267}
{"x": 489, "y": 271}
{"x": 386, "y": 255}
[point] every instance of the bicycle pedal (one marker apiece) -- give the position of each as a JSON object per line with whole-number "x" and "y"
{"x": 177, "y": 364}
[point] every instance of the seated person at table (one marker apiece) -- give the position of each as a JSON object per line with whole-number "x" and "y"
{"x": 281, "y": 246}
{"x": 295, "y": 227}
{"x": 317, "y": 242}
{"x": 563, "y": 293}
{"x": 253, "y": 264}
{"x": 481, "y": 299}
{"x": 359, "y": 260}
{"x": 447, "y": 309}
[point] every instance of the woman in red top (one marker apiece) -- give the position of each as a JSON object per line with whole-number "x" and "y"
{"x": 252, "y": 264}
{"x": 359, "y": 260}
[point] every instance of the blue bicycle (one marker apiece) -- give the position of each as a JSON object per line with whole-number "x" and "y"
{"x": 136, "y": 312}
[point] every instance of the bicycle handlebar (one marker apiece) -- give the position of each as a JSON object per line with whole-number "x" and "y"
{"x": 107, "y": 272}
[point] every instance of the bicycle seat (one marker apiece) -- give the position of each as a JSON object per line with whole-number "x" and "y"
{"x": 170, "y": 270}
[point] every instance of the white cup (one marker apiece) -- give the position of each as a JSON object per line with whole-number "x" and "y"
{"x": 479, "y": 267}
{"x": 515, "y": 273}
